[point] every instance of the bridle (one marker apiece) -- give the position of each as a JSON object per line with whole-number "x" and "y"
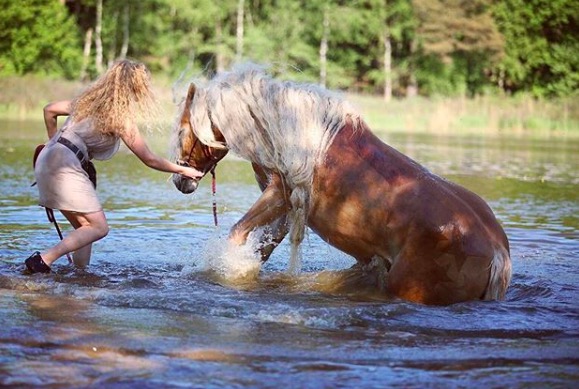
{"x": 207, "y": 152}
{"x": 206, "y": 149}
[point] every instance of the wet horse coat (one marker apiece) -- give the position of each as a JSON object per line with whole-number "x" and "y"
{"x": 319, "y": 165}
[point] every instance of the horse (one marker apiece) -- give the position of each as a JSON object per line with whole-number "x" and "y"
{"x": 319, "y": 165}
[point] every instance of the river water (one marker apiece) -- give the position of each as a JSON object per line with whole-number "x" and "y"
{"x": 166, "y": 303}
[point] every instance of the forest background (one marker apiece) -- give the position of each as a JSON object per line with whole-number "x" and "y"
{"x": 474, "y": 66}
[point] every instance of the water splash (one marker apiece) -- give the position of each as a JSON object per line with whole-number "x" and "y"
{"x": 232, "y": 262}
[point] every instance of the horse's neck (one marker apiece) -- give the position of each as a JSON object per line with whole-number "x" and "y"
{"x": 359, "y": 133}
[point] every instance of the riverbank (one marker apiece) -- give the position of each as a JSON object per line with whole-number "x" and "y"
{"x": 23, "y": 99}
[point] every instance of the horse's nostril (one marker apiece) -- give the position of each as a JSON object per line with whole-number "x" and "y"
{"x": 185, "y": 185}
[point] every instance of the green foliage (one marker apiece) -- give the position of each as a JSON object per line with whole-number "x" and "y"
{"x": 280, "y": 40}
{"x": 461, "y": 35}
{"x": 437, "y": 79}
{"x": 438, "y": 47}
{"x": 542, "y": 46}
{"x": 37, "y": 36}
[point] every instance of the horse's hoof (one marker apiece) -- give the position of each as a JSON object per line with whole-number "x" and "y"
{"x": 35, "y": 264}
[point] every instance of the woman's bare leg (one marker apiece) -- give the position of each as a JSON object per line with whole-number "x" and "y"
{"x": 89, "y": 227}
{"x": 81, "y": 256}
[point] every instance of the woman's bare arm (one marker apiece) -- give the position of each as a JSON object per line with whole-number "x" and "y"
{"x": 51, "y": 112}
{"x": 135, "y": 142}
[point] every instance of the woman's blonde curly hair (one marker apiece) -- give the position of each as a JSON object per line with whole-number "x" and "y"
{"x": 117, "y": 99}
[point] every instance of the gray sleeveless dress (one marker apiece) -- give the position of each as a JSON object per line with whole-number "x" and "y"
{"x": 62, "y": 182}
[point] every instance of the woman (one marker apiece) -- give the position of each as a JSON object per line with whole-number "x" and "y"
{"x": 97, "y": 120}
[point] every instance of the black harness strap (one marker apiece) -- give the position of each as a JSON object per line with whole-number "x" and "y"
{"x": 86, "y": 164}
{"x": 52, "y": 219}
{"x": 84, "y": 161}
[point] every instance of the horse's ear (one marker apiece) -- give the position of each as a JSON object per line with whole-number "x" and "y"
{"x": 188, "y": 100}
{"x": 190, "y": 94}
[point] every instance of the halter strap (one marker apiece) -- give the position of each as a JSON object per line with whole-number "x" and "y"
{"x": 213, "y": 179}
{"x": 213, "y": 192}
{"x": 208, "y": 154}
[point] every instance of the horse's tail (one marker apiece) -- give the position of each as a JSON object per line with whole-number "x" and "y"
{"x": 500, "y": 275}
{"x": 298, "y": 214}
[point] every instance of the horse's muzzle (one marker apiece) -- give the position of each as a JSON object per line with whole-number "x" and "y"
{"x": 184, "y": 184}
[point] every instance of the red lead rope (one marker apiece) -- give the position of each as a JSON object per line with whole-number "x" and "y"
{"x": 214, "y": 190}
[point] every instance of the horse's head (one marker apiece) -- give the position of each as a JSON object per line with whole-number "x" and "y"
{"x": 190, "y": 149}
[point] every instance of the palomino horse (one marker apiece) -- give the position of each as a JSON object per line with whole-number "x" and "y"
{"x": 319, "y": 165}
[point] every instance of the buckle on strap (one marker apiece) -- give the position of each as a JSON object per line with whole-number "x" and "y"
{"x": 74, "y": 148}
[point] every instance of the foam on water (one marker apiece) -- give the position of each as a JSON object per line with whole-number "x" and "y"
{"x": 230, "y": 261}
{"x": 285, "y": 314}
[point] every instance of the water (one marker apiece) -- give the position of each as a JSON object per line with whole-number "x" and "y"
{"x": 166, "y": 302}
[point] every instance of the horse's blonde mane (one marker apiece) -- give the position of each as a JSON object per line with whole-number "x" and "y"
{"x": 281, "y": 125}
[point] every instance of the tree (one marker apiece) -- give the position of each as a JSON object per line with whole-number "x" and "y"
{"x": 344, "y": 33}
{"x": 97, "y": 37}
{"x": 393, "y": 47}
{"x": 542, "y": 46}
{"x": 239, "y": 30}
{"x": 395, "y": 24}
{"x": 174, "y": 34}
{"x": 38, "y": 36}
{"x": 463, "y": 36}
{"x": 324, "y": 45}
{"x": 277, "y": 35}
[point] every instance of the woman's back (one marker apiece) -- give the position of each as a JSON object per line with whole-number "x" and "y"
{"x": 95, "y": 144}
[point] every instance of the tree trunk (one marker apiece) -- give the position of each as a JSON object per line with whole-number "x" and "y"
{"x": 239, "y": 32}
{"x": 125, "y": 45}
{"x": 387, "y": 66}
{"x": 412, "y": 87}
{"x": 86, "y": 53}
{"x": 501, "y": 79}
{"x": 219, "y": 57}
{"x": 97, "y": 38}
{"x": 324, "y": 47}
{"x": 113, "y": 46}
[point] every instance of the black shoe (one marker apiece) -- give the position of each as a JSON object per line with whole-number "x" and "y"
{"x": 35, "y": 264}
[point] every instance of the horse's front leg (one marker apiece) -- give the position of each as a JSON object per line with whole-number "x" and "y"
{"x": 276, "y": 231}
{"x": 274, "y": 234}
{"x": 269, "y": 210}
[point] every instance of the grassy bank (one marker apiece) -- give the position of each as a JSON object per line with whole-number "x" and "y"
{"x": 23, "y": 98}
{"x": 486, "y": 115}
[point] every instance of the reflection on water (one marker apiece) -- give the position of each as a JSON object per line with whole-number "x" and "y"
{"x": 166, "y": 303}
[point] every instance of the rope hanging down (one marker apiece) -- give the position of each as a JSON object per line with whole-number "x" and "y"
{"x": 213, "y": 191}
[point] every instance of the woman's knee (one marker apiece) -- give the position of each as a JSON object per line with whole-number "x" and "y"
{"x": 102, "y": 229}
{"x": 99, "y": 224}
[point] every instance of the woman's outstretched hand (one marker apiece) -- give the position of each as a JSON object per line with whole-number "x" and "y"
{"x": 190, "y": 172}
